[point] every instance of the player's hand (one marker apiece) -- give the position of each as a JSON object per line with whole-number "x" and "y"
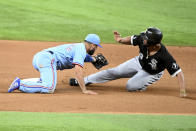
{"x": 89, "y": 92}
{"x": 117, "y": 36}
{"x": 183, "y": 94}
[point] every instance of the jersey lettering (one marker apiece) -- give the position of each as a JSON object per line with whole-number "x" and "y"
{"x": 153, "y": 64}
{"x": 68, "y": 49}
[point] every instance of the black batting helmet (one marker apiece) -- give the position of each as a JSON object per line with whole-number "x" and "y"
{"x": 154, "y": 35}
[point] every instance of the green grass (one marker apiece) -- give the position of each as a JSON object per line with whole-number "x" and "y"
{"x": 72, "y": 20}
{"x": 23, "y": 121}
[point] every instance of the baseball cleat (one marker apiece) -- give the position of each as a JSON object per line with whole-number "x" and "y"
{"x": 15, "y": 85}
{"x": 73, "y": 82}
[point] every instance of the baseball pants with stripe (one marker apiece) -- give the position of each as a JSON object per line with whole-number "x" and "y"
{"x": 139, "y": 79}
{"x": 45, "y": 63}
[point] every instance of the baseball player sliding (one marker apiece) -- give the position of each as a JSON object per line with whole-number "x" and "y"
{"x": 145, "y": 69}
{"x": 66, "y": 56}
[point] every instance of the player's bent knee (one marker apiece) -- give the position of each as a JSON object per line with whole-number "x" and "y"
{"x": 49, "y": 88}
{"x": 134, "y": 87}
{"x": 26, "y": 90}
{"x": 131, "y": 87}
{"x": 47, "y": 91}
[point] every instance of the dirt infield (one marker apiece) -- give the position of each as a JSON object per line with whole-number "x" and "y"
{"x": 162, "y": 97}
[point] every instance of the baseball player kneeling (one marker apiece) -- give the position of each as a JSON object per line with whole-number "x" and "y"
{"x": 66, "y": 56}
{"x": 144, "y": 69}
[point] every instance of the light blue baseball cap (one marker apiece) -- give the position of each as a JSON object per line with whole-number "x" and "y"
{"x": 94, "y": 39}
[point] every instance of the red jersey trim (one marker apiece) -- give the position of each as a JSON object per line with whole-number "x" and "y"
{"x": 77, "y": 64}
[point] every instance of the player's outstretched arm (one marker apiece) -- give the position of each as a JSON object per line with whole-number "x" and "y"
{"x": 125, "y": 40}
{"x": 181, "y": 82}
{"x": 80, "y": 79}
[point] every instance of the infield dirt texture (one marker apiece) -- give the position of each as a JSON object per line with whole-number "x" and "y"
{"x": 162, "y": 97}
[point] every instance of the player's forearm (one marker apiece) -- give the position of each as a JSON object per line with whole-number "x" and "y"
{"x": 81, "y": 83}
{"x": 125, "y": 40}
{"x": 118, "y": 38}
{"x": 80, "y": 78}
{"x": 181, "y": 82}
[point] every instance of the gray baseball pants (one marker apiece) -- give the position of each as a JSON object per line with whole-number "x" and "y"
{"x": 139, "y": 79}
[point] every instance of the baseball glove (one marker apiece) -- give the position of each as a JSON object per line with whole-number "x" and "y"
{"x": 100, "y": 61}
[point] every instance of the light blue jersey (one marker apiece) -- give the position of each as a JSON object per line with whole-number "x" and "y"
{"x": 68, "y": 55}
{"x": 48, "y": 61}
